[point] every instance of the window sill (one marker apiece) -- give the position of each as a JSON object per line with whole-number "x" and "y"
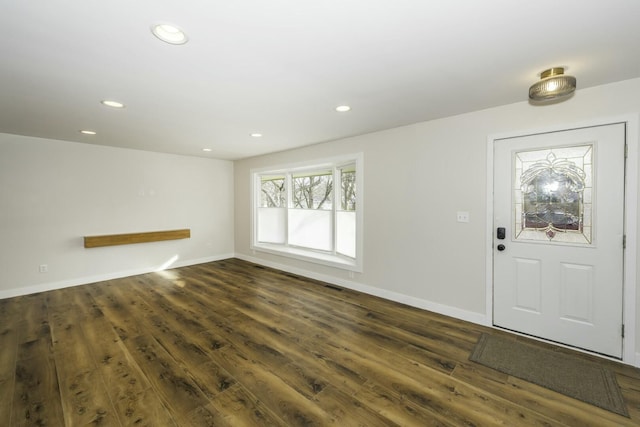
{"x": 310, "y": 256}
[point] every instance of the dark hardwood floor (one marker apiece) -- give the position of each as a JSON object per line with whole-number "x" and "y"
{"x": 231, "y": 343}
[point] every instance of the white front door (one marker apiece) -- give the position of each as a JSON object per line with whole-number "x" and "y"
{"x": 558, "y": 236}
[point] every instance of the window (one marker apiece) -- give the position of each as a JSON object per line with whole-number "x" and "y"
{"x": 553, "y": 195}
{"x": 311, "y": 212}
{"x": 346, "y": 213}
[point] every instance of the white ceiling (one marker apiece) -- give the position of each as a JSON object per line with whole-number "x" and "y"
{"x": 280, "y": 67}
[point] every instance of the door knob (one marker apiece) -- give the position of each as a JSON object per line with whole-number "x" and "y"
{"x": 501, "y": 247}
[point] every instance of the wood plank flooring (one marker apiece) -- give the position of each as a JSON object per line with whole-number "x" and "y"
{"x": 231, "y": 343}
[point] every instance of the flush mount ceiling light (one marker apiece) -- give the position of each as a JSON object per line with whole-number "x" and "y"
{"x": 207, "y": 150}
{"x": 553, "y": 84}
{"x": 112, "y": 104}
{"x": 169, "y": 33}
{"x": 88, "y": 132}
{"x": 343, "y": 108}
{"x": 256, "y": 135}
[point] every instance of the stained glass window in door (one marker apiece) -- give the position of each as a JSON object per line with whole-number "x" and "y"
{"x": 553, "y": 195}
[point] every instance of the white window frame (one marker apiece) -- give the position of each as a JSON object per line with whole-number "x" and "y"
{"x": 332, "y": 259}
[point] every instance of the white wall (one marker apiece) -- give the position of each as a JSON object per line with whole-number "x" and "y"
{"x": 52, "y": 193}
{"x": 416, "y": 178}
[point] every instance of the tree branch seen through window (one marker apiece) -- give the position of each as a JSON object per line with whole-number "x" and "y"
{"x": 313, "y": 191}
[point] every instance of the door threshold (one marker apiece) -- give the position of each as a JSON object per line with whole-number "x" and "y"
{"x": 562, "y": 345}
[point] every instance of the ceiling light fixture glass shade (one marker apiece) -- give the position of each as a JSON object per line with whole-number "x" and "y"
{"x": 553, "y": 84}
{"x": 169, "y": 33}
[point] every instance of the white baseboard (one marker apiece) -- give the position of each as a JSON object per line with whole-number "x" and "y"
{"x": 446, "y": 310}
{"x": 9, "y": 293}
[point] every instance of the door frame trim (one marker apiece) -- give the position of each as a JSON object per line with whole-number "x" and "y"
{"x": 631, "y": 121}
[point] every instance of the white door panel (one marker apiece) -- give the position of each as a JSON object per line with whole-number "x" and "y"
{"x": 560, "y": 198}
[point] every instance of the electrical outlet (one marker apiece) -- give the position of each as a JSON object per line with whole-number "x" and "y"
{"x": 44, "y": 268}
{"x": 463, "y": 216}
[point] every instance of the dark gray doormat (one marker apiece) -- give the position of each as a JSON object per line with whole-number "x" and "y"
{"x": 556, "y": 371}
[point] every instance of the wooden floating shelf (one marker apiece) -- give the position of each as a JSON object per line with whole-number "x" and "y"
{"x": 130, "y": 238}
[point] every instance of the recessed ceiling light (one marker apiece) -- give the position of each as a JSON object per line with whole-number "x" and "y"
{"x": 112, "y": 104}
{"x": 343, "y": 108}
{"x": 206, "y": 149}
{"x": 88, "y": 132}
{"x": 256, "y": 135}
{"x": 169, "y": 33}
